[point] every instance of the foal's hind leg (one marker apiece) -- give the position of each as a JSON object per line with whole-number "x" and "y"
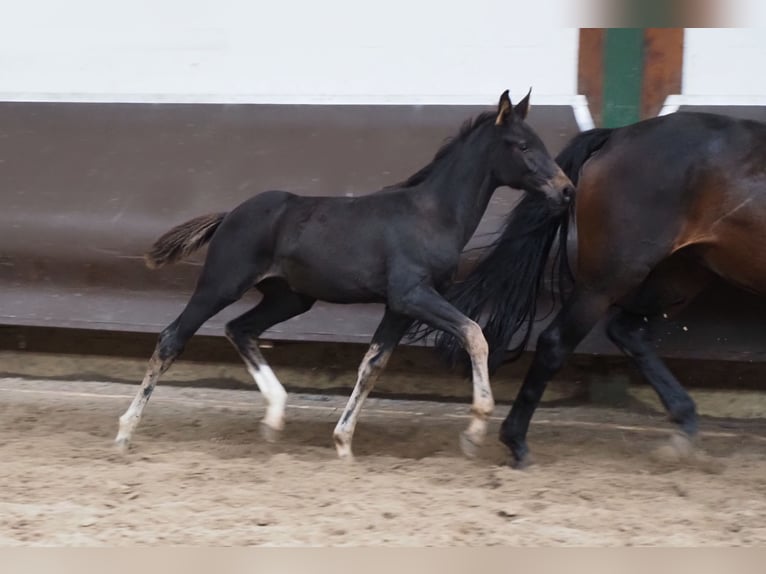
{"x": 203, "y": 304}
{"x": 427, "y": 305}
{"x": 225, "y": 277}
{"x": 279, "y": 304}
{"x": 386, "y": 338}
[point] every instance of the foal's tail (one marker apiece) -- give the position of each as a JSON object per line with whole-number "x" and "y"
{"x": 183, "y": 240}
{"x": 504, "y": 287}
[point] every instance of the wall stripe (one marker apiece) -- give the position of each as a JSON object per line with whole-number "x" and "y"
{"x": 627, "y": 74}
{"x": 590, "y": 76}
{"x": 623, "y": 65}
{"x": 663, "y": 68}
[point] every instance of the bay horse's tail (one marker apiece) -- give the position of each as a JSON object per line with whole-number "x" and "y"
{"x": 183, "y": 240}
{"x": 579, "y": 149}
{"x": 504, "y": 286}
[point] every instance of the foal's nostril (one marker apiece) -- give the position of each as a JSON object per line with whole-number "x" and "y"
{"x": 568, "y": 192}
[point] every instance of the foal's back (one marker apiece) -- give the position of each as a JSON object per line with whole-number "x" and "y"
{"x": 339, "y": 249}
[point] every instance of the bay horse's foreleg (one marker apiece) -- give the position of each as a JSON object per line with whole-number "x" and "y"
{"x": 278, "y": 304}
{"x": 387, "y": 336}
{"x": 575, "y": 320}
{"x": 427, "y": 305}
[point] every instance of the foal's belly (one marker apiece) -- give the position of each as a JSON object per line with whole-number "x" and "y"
{"x": 338, "y": 281}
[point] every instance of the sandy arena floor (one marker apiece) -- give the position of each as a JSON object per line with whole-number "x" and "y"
{"x": 199, "y": 473}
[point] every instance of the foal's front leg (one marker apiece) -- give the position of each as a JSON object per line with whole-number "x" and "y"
{"x": 426, "y": 304}
{"x": 387, "y": 336}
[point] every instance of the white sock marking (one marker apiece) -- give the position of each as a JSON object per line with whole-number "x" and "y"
{"x": 273, "y": 392}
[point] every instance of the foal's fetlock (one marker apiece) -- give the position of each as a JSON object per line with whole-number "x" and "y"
{"x": 273, "y": 422}
{"x": 122, "y": 444}
{"x": 272, "y": 426}
{"x": 470, "y": 444}
{"x": 483, "y": 412}
{"x": 343, "y": 446}
{"x": 124, "y": 433}
{"x": 269, "y": 433}
{"x": 473, "y": 437}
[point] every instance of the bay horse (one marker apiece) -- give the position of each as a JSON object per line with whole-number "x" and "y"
{"x": 662, "y": 207}
{"x": 398, "y": 246}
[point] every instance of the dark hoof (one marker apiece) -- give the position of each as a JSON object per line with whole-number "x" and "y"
{"x": 520, "y": 458}
{"x": 520, "y": 463}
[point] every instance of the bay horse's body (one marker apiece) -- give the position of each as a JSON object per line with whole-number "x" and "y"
{"x": 662, "y": 206}
{"x": 399, "y": 247}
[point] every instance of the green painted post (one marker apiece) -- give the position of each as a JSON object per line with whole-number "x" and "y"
{"x": 623, "y": 70}
{"x": 623, "y": 65}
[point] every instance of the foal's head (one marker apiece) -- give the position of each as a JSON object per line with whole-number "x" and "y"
{"x": 520, "y": 159}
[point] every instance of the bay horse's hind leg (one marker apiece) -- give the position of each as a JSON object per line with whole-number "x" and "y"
{"x": 672, "y": 284}
{"x": 279, "y": 304}
{"x": 387, "y": 336}
{"x": 626, "y": 330}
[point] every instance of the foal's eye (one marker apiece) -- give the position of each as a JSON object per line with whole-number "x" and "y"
{"x": 523, "y": 146}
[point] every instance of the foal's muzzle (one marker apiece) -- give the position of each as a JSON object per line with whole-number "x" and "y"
{"x": 560, "y": 190}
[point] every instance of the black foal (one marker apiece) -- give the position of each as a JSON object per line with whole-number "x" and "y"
{"x": 399, "y": 247}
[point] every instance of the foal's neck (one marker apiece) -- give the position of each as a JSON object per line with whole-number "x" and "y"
{"x": 463, "y": 184}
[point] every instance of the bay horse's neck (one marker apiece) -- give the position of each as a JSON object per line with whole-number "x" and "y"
{"x": 463, "y": 184}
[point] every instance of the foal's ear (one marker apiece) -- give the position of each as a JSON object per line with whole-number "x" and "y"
{"x": 504, "y": 108}
{"x": 522, "y": 108}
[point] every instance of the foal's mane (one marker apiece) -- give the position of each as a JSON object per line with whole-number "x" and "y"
{"x": 446, "y": 149}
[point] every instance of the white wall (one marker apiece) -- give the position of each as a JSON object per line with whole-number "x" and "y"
{"x": 286, "y": 51}
{"x": 724, "y": 65}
